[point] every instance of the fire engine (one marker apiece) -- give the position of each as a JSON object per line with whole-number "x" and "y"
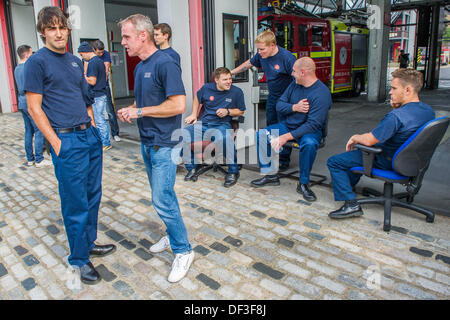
{"x": 339, "y": 50}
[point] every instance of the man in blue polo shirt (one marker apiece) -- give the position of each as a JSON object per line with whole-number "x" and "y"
{"x": 277, "y": 63}
{"x": 99, "y": 49}
{"x": 221, "y": 101}
{"x": 407, "y": 116}
{"x": 59, "y": 103}
{"x": 163, "y": 34}
{"x": 96, "y": 77}
{"x": 160, "y": 102}
{"x": 304, "y": 105}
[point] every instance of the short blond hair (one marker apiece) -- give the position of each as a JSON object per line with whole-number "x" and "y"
{"x": 267, "y": 37}
{"x": 411, "y": 77}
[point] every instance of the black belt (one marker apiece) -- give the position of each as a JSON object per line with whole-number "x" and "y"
{"x": 79, "y": 128}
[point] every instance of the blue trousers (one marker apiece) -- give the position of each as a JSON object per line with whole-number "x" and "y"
{"x": 161, "y": 172}
{"x": 32, "y": 130}
{"x": 99, "y": 115}
{"x": 309, "y": 144}
{"x": 343, "y": 179}
{"x": 78, "y": 169}
{"x": 224, "y": 132}
{"x": 112, "y": 117}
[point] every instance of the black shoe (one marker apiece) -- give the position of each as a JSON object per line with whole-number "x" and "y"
{"x": 231, "y": 179}
{"x": 346, "y": 211}
{"x": 283, "y": 167}
{"x": 269, "y": 180}
{"x": 89, "y": 275}
{"x": 308, "y": 194}
{"x": 190, "y": 174}
{"x": 101, "y": 251}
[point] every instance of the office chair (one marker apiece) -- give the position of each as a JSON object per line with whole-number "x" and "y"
{"x": 409, "y": 163}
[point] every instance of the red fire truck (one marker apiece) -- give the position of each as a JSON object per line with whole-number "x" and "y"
{"x": 340, "y": 51}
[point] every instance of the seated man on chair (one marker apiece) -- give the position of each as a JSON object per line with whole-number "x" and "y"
{"x": 304, "y": 106}
{"x": 397, "y": 126}
{"x": 221, "y": 101}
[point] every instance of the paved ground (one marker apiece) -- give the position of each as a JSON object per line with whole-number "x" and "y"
{"x": 250, "y": 243}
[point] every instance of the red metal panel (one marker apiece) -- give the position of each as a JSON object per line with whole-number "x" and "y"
{"x": 197, "y": 52}
{"x": 343, "y": 60}
{"x": 8, "y": 57}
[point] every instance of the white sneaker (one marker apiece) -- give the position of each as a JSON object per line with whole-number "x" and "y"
{"x": 180, "y": 266}
{"x": 30, "y": 163}
{"x": 163, "y": 244}
{"x": 117, "y": 138}
{"x": 43, "y": 163}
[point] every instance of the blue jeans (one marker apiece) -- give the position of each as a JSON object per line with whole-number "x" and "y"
{"x": 309, "y": 144}
{"x": 161, "y": 172}
{"x": 343, "y": 179}
{"x": 32, "y": 130}
{"x": 99, "y": 115}
{"x": 224, "y": 132}
{"x": 78, "y": 169}
{"x": 112, "y": 117}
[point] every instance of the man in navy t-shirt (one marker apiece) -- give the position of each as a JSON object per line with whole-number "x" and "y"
{"x": 163, "y": 34}
{"x": 96, "y": 77}
{"x": 221, "y": 101}
{"x": 59, "y": 103}
{"x": 160, "y": 102}
{"x": 277, "y": 63}
{"x": 407, "y": 116}
{"x": 304, "y": 106}
{"x": 99, "y": 49}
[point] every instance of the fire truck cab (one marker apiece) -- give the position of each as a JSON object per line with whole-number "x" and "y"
{"x": 339, "y": 51}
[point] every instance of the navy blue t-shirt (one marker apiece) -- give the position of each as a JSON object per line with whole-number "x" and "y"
{"x": 156, "y": 79}
{"x": 96, "y": 68}
{"x": 18, "y": 75}
{"x": 59, "y": 79}
{"x": 173, "y": 54}
{"x": 106, "y": 57}
{"x": 214, "y": 99}
{"x": 298, "y": 123}
{"x": 399, "y": 124}
{"x": 277, "y": 69}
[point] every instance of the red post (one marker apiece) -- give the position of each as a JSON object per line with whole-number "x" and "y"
{"x": 8, "y": 58}
{"x": 197, "y": 52}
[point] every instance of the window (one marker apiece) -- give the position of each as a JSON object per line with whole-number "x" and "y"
{"x": 317, "y": 36}
{"x": 303, "y": 35}
{"x": 235, "y": 44}
{"x": 279, "y": 34}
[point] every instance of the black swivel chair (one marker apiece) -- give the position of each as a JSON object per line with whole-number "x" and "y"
{"x": 410, "y": 163}
{"x": 294, "y": 145}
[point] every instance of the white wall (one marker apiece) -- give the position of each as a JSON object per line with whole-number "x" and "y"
{"x": 5, "y": 96}
{"x": 176, "y": 14}
{"x": 24, "y": 26}
{"x": 38, "y": 5}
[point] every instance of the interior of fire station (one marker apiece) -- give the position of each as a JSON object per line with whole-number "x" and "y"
{"x": 223, "y": 32}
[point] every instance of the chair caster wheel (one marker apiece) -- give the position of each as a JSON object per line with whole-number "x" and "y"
{"x": 387, "y": 227}
{"x": 365, "y": 193}
{"x": 430, "y": 220}
{"x": 194, "y": 178}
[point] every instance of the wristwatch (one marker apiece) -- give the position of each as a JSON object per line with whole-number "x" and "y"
{"x": 139, "y": 113}
{"x": 228, "y": 112}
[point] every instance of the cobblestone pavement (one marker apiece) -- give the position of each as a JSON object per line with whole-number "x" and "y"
{"x": 250, "y": 243}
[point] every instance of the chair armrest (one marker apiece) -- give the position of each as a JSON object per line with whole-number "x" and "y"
{"x": 239, "y": 119}
{"x": 368, "y": 154}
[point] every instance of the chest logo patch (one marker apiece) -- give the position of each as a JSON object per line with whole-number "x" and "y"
{"x": 228, "y": 100}
{"x": 147, "y": 75}
{"x": 74, "y": 64}
{"x": 277, "y": 67}
{"x": 211, "y": 98}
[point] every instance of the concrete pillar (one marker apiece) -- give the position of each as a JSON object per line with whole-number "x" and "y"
{"x": 379, "y": 24}
{"x": 5, "y": 73}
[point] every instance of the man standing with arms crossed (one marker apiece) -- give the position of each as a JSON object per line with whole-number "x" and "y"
{"x": 160, "y": 102}
{"x": 59, "y": 104}
{"x": 277, "y": 63}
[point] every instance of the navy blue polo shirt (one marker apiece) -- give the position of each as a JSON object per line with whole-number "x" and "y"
{"x": 96, "y": 68}
{"x": 59, "y": 79}
{"x": 399, "y": 124}
{"x": 18, "y": 75}
{"x": 277, "y": 69}
{"x": 319, "y": 98}
{"x": 214, "y": 99}
{"x": 156, "y": 79}
{"x": 106, "y": 57}
{"x": 173, "y": 54}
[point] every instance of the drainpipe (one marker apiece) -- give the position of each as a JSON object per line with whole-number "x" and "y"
{"x": 197, "y": 51}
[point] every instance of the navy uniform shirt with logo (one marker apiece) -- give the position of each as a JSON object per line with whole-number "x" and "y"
{"x": 59, "y": 79}
{"x": 399, "y": 124}
{"x": 214, "y": 99}
{"x": 156, "y": 79}
{"x": 173, "y": 54}
{"x": 96, "y": 68}
{"x": 277, "y": 69}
